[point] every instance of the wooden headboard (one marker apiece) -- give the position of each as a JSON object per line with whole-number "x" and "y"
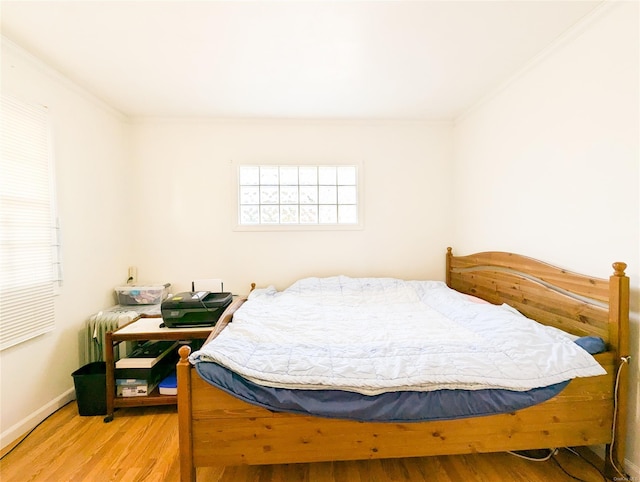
{"x": 581, "y": 305}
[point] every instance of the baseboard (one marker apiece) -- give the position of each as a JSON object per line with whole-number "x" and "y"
{"x": 632, "y": 469}
{"x": 13, "y": 433}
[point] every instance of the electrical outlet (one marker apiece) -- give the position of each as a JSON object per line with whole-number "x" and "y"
{"x": 132, "y": 276}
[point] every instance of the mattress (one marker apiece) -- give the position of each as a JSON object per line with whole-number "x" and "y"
{"x": 403, "y": 406}
{"x": 377, "y": 335}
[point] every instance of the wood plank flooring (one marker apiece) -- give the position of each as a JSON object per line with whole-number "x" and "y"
{"x": 141, "y": 444}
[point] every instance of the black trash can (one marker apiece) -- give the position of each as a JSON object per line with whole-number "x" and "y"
{"x": 91, "y": 388}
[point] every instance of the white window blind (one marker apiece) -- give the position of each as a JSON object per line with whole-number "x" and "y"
{"x": 28, "y": 233}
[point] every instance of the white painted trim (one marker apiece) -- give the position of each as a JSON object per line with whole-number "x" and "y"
{"x": 153, "y": 120}
{"x": 632, "y": 469}
{"x": 23, "y": 426}
{"x": 563, "y": 39}
{"x": 59, "y": 77}
{"x": 235, "y": 201}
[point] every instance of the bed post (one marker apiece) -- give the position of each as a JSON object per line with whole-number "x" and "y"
{"x": 185, "y": 430}
{"x": 448, "y": 268}
{"x": 619, "y": 341}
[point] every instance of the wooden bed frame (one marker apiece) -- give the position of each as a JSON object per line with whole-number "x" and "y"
{"x": 216, "y": 429}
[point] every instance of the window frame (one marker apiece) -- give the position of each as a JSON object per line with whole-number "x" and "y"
{"x": 237, "y": 226}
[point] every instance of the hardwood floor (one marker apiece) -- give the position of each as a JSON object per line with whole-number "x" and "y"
{"x": 141, "y": 444}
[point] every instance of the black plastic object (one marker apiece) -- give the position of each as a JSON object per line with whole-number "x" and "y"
{"x": 185, "y": 310}
{"x": 91, "y": 389}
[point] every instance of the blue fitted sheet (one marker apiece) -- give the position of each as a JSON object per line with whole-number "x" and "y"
{"x": 406, "y": 406}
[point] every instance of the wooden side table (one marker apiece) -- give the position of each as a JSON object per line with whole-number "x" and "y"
{"x": 142, "y": 329}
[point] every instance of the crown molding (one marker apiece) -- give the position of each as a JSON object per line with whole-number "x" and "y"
{"x": 57, "y": 76}
{"x": 558, "y": 43}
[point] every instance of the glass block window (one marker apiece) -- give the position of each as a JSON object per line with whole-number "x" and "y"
{"x": 298, "y": 195}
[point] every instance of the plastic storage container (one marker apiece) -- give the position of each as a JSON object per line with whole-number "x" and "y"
{"x": 141, "y": 294}
{"x": 90, "y": 382}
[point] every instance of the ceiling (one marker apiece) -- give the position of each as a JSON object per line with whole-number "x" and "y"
{"x": 331, "y": 59}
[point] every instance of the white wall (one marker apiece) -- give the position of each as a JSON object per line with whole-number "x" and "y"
{"x": 549, "y": 166}
{"x": 184, "y": 201}
{"x": 91, "y": 157}
{"x": 157, "y": 195}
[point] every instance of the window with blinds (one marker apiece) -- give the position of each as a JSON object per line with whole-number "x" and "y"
{"x": 29, "y": 268}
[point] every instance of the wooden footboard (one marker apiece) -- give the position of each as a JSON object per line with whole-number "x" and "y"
{"x": 216, "y": 429}
{"x": 227, "y": 431}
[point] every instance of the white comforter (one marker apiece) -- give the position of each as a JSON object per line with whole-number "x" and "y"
{"x": 373, "y": 335}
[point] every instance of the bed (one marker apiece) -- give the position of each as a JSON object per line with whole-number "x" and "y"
{"x": 219, "y": 429}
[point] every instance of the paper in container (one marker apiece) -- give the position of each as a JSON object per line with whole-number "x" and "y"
{"x": 142, "y": 294}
